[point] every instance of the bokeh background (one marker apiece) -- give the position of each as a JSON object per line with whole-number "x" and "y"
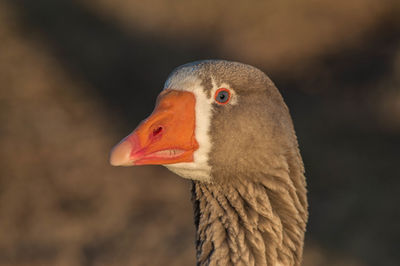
{"x": 78, "y": 75}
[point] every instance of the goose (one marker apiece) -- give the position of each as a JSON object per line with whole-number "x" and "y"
{"x": 224, "y": 125}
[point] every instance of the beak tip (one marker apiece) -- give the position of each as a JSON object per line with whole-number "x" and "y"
{"x": 113, "y": 162}
{"x": 120, "y": 154}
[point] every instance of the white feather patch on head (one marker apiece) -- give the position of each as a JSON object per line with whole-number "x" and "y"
{"x": 199, "y": 169}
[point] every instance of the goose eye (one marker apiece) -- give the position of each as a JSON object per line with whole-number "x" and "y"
{"x": 222, "y": 96}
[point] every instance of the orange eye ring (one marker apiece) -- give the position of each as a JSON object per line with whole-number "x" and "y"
{"x": 222, "y": 96}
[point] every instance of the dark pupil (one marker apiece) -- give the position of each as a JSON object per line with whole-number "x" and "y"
{"x": 223, "y": 96}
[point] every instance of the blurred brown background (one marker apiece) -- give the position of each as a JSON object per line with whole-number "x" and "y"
{"x": 77, "y": 76}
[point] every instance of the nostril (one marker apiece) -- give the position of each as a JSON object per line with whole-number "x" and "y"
{"x": 157, "y": 131}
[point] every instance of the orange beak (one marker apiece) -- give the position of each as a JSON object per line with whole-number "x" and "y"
{"x": 166, "y": 137}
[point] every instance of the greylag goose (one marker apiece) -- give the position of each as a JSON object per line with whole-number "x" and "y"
{"x": 225, "y": 126}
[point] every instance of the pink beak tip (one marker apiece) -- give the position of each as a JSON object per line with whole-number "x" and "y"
{"x": 120, "y": 154}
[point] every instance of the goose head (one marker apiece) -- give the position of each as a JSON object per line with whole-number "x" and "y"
{"x": 213, "y": 120}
